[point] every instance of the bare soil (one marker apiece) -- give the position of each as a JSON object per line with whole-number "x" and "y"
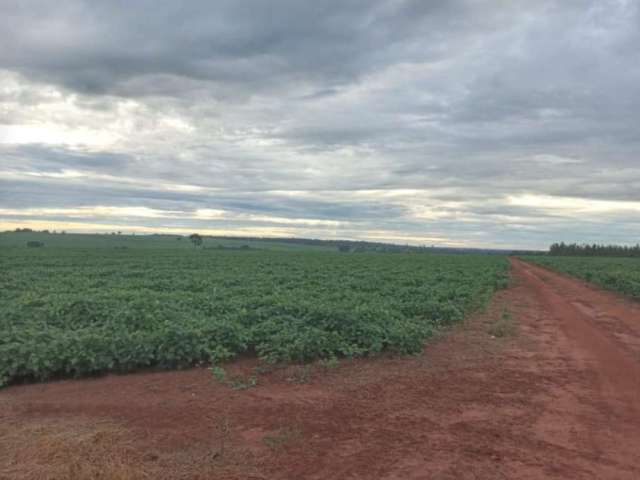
{"x": 545, "y": 384}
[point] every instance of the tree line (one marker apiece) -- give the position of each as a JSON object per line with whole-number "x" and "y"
{"x": 593, "y": 250}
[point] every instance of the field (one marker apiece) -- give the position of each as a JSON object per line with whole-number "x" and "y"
{"x": 522, "y": 389}
{"x": 90, "y": 308}
{"x": 121, "y": 242}
{"x": 617, "y": 274}
{"x": 494, "y": 397}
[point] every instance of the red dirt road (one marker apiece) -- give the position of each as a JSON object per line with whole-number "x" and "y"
{"x": 557, "y": 397}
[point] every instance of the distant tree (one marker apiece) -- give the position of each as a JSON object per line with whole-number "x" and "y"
{"x": 196, "y": 239}
{"x": 343, "y": 247}
{"x": 595, "y": 250}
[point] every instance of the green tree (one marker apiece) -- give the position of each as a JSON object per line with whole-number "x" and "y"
{"x": 196, "y": 239}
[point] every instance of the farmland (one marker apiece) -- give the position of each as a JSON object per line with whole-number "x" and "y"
{"x": 617, "y": 274}
{"x": 81, "y": 310}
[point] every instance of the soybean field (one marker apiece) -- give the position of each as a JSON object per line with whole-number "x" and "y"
{"x": 613, "y": 273}
{"x": 79, "y": 311}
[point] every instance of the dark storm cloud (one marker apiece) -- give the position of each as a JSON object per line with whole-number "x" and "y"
{"x": 100, "y": 47}
{"x": 496, "y": 122}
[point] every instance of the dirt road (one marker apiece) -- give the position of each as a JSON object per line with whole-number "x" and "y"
{"x": 556, "y": 395}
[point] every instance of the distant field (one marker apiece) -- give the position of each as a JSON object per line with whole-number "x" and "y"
{"x": 78, "y": 310}
{"x": 76, "y": 240}
{"x": 618, "y": 274}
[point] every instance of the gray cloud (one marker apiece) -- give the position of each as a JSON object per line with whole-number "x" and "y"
{"x": 485, "y": 122}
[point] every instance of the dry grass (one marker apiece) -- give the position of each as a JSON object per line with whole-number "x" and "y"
{"x": 81, "y": 449}
{"x": 69, "y": 449}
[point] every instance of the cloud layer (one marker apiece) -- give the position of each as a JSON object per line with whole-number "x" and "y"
{"x": 478, "y": 123}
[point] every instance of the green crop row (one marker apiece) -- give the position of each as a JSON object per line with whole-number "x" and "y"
{"x": 617, "y": 274}
{"x": 73, "y": 312}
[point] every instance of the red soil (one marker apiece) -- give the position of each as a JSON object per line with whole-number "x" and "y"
{"x": 557, "y": 397}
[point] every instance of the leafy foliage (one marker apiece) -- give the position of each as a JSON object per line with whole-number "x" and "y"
{"x": 78, "y": 311}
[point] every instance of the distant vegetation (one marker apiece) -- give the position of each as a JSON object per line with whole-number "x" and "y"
{"x": 594, "y": 250}
{"x": 77, "y": 310}
{"x": 196, "y": 239}
{"x": 17, "y": 238}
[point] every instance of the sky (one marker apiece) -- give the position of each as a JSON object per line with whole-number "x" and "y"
{"x": 473, "y": 123}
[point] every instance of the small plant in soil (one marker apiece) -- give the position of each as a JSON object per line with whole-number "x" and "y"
{"x": 300, "y": 374}
{"x": 240, "y": 382}
{"x": 237, "y": 382}
{"x": 503, "y": 326}
{"x": 222, "y": 429}
{"x": 281, "y": 438}
{"x": 218, "y": 373}
{"x": 329, "y": 363}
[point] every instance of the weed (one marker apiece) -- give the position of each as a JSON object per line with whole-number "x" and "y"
{"x": 223, "y": 430}
{"x": 240, "y": 382}
{"x": 218, "y": 373}
{"x": 265, "y": 368}
{"x": 503, "y": 326}
{"x": 329, "y": 363}
{"x": 282, "y": 438}
{"x": 300, "y": 374}
{"x": 237, "y": 382}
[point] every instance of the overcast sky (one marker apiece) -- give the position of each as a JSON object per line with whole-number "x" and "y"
{"x": 448, "y": 122}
